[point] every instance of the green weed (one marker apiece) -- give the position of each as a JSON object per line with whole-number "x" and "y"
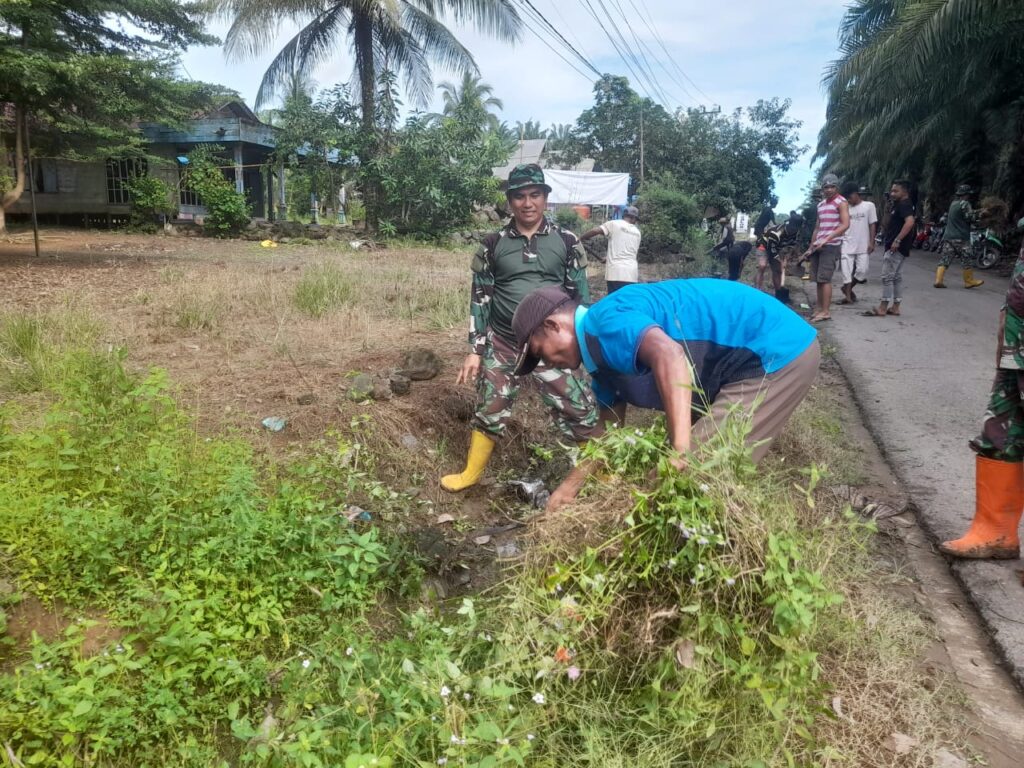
{"x": 198, "y": 312}
{"x": 322, "y": 289}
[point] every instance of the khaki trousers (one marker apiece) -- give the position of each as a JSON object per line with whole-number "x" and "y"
{"x": 779, "y": 394}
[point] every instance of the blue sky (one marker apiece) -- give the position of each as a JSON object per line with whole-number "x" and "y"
{"x": 734, "y": 51}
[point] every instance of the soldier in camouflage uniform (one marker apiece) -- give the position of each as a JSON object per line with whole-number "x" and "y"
{"x": 999, "y": 465}
{"x": 527, "y": 253}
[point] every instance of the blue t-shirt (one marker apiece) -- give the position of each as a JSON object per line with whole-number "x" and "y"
{"x": 729, "y": 332}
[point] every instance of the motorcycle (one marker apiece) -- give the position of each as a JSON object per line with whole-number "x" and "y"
{"x": 986, "y": 248}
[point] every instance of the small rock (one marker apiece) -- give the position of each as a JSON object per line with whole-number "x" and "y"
{"x": 685, "y": 653}
{"x": 445, "y": 518}
{"x": 307, "y": 399}
{"x": 433, "y": 589}
{"x": 946, "y": 759}
{"x": 508, "y": 549}
{"x": 410, "y": 443}
{"x": 381, "y": 390}
{"x": 481, "y": 540}
{"x": 900, "y": 743}
{"x": 400, "y": 383}
{"x": 361, "y": 387}
{"x": 420, "y": 364}
{"x": 274, "y": 423}
{"x": 6, "y": 588}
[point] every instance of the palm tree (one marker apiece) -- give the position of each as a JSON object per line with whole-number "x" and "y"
{"x": 928, "y": 88}
{"x": 470, "y": 102}
{"x": 530, "y": 130}
{"x": 405, "y": 35}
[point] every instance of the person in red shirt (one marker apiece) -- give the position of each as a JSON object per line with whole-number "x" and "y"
{"x": 826, "y": 243}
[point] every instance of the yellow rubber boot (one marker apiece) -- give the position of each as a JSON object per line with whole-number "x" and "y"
{"x": 940, "y": 274}
{"x": 969, "y": 281}
{"x": 480, "y": 447}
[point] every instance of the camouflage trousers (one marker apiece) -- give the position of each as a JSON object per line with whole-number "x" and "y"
{"x": 572, "y": 404}
{"x": 1002, "y": 432}
{"x": 959, "y": 248}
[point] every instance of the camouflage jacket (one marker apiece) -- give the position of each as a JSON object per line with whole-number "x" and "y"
{"x": 507, "y": 266}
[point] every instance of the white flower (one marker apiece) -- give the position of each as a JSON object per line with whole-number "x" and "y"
{"x": 467, "y": 696}
{"x": 305, "y": 663}
{"x": 730, "y": 582}
{"x": 442, "y": 761}
{"x": 503, "y": 742}
{"x": 538, "y": 698}
{"x": 704, "y": 487}
{"x": 349, "y": 651}
{"x": 455, "y": 738}
{"x": 672, "y": 563}
{"x": 511, "y": 708}
{"x": 39, "y": 666}
{"x": 693, "y": 580}
{"x": 445, "y": 691}
{"x": 530, "y": 737}
{"x": 702, "y": 541}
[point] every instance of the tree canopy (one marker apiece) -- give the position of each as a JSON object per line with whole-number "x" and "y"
{"x": 930, "y": 90}
{"x": 81, "y": 73}
{"x": 724, "y": 160}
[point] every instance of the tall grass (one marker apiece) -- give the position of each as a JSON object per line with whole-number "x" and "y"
{"x": 323, "y": 288}
{"x": 33, "y": 346}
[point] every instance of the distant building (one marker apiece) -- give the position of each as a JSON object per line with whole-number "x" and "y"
{"x": 95, "y": 192}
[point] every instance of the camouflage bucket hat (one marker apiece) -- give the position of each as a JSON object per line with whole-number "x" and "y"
{"x": 527, "y": 175}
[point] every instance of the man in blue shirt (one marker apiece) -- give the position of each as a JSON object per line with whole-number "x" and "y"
{"x": 691, "y": 348}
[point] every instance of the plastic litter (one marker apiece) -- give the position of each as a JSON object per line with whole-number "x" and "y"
{"x": 531, "y": 491}
{"x": 805, "y": 306}
{"x": 268, "y": 244}
{"x": 274, "y": 423}
{"x": 446, "y": 518}
{"x": 481, "y": 540}
{"x": 507, "y": 550}
{"x": 354, "y": 513}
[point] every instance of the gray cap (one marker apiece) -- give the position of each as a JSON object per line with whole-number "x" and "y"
{"x": 631, "y": 210}
{"x": 830, "y": 180}
{"x": 530, "y": 315}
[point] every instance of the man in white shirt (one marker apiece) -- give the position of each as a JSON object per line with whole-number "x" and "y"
{"x": 623, "y": 243}
{"x": 859, "y": 242}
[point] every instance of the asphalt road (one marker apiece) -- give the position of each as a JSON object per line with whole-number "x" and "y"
{"x": 922, "y": 382}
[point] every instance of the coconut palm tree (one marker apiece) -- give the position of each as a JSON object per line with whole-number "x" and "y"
{"x": 404, "y": 35}
{"x": 929, "y": 88}
{"x": 470, "y": 101}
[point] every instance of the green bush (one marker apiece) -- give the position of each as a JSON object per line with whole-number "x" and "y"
{"x": 567, "y": 218}
{"x": 666, "y": 215}
{"x": 151, "y": 198}
{"x": 227, "y": 211}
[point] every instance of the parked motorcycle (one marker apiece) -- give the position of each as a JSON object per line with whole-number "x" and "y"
{"x": 986, "y": 248}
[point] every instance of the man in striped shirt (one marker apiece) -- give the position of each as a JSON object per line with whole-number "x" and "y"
{"x": 826, "y": 243}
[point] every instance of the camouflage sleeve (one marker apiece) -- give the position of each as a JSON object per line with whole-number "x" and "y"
{"x": 576, "y": 267}
{"x": 480, "y": 296}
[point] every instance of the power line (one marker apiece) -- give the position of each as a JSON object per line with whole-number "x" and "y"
{"x": 672, "y": 77}
{"x": 642, "y": 49}
{"x": 554, "y": 38}
{"x": 532, "y": 10}
{"x": 625, "y": 60}
{"x": 661, "y": 43}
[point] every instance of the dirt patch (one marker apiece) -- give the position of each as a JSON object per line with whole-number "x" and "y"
{"x": 32, "y": 617}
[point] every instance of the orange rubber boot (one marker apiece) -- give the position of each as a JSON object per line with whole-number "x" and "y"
{"x": 999, "y": 501}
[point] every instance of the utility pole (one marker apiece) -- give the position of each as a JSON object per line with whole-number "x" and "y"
{"x": 31, "y": 183}
{"x": 641, "y": 142}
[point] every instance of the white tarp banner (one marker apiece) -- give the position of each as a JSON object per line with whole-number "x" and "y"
{"x": 588, "y": 188}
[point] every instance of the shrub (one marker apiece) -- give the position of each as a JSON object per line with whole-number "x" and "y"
{"x": 227, "y": 212}
{"x": 666, "y": 214}
{"x": 151, "y": 198}
{"x": 567, "y": 218}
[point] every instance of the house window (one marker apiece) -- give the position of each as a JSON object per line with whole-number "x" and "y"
{"x": 187, "y": 195}
{"x": 119, "y": 173}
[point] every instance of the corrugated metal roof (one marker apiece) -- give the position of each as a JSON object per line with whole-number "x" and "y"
{"x": 527, "y": 151}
